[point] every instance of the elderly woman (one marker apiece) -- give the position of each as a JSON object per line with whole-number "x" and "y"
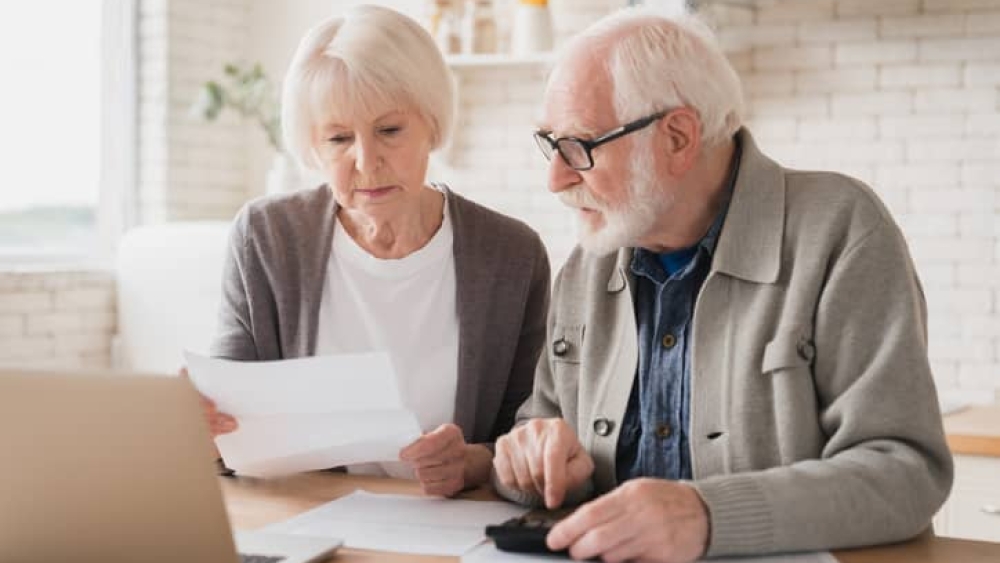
{"x": 379, "y": 259}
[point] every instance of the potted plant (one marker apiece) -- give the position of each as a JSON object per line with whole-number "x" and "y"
{"x": 247, "y": 91}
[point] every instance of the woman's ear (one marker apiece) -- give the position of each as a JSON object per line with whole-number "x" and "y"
{"x": 680, "y": 131}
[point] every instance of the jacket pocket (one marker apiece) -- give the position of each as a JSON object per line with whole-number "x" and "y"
{"x": 790, "y": 349}
{"x": 566, "y": 343}
{"x": 565, "y": 348}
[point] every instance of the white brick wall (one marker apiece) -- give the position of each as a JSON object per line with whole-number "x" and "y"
{"x": 797, "y": 11}
{"x": 56, "y": 318}
{"x": 188, "y": 169}
{"x": 919, "y": 76}
{"x": 852, "y": 8}
{"x": 875, "y": 52}
{"x": 924, "y": 25}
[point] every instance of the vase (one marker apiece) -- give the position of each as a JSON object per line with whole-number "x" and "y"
{"x": 532, "y": 29}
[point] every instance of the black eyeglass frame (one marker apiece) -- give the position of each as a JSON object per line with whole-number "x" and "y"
{"x": 551, "y": 145}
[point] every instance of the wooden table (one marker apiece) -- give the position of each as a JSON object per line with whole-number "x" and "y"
{"x": 254, "y": 503}
{"x": 974, "y": 430}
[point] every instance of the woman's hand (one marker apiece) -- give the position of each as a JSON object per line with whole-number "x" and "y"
{"x": 445, "y": 464}
{"x": 218, "y": 422}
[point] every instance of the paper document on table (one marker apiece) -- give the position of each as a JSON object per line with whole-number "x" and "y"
{"x": 306, "y": 413}
{"x": 402, "y": 523}
{"x": 488, "y": 553}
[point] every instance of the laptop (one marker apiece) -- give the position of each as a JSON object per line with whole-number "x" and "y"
{"x": 115, "y": 469}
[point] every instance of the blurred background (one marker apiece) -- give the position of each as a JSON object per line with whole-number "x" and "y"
{"x": 133, "y": 130}
{"x": 123, "y": 168}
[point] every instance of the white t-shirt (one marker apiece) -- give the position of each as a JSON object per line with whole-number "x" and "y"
{"x": 403, "y": 306}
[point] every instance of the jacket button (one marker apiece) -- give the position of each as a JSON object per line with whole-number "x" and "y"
{"x": 603, "y": 426}
{"x": 560, "y": 347}
{"x": 663, "y": 430}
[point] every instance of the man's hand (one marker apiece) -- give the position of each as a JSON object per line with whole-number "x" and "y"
{"x": 444, "y": 464}
{"x": 543, "y": 457}
{"x": 641, "y": 520}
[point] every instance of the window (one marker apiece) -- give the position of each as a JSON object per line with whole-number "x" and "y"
{"x": 68, "y": 64}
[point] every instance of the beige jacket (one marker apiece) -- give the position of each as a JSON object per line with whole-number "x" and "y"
{"x": 814, "y": 418}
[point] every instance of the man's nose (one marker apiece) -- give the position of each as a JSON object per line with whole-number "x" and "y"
{"x": 561, "y": 176}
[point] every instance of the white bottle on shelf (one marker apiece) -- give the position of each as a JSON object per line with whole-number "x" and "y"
{"x": 479, "y": 34}
{"x": 445, "y": 24}
{"x": 532, "y": 28}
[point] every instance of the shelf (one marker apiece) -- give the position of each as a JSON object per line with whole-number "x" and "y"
{"x": 498, "y": 60}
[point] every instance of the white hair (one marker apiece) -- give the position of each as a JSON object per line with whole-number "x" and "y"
{"x": 660, "y": 60}
{"x": 370, "y": 60}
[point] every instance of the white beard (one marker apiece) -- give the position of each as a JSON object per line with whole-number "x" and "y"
{"x": 626, "y": 225}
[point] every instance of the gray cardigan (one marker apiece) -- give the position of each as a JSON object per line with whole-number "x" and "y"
{"x": 814, "y": 420}
{"x": 279, "y": 249}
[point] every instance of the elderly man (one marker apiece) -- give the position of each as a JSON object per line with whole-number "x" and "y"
{"x": 736, "y": 358}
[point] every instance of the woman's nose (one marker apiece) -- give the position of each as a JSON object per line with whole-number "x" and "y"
{"x": 366, "y": 157}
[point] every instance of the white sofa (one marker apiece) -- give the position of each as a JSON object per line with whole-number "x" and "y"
{"x": 169, "y": 283}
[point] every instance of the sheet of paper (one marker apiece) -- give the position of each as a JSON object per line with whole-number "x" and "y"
{"x": 488, "y": 553}
{"x": 402, "y": 523}
{"x": 306, "y": 413}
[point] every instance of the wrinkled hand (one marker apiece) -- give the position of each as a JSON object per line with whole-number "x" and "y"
{"x": 543, "y": 457}
{"x": 642, "y": 520}
{"x": 441, "y": 460}
{"x": 218, "y": 422}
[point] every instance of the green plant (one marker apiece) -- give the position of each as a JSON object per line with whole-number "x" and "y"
{"x": 249, "y": 92}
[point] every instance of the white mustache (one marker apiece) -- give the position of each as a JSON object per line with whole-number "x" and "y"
{"x": 579, "y": 198}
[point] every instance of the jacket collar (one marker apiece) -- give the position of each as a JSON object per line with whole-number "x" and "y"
{"x": 749, "y": 246}
{"x": 621, "y": 273}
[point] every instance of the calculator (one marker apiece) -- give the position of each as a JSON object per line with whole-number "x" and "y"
{"x": 525, "y": 534}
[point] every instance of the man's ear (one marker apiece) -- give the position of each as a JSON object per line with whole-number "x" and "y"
{"x": 681, "y": 137}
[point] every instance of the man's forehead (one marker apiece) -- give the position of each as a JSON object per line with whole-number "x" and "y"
{"x": 577, "y": 104}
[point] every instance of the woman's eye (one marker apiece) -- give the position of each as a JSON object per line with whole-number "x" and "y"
{"x": 390, "y": 131}
{"x": 339, "y": 139}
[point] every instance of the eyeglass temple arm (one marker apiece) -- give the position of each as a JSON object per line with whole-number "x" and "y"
{"x": 625, "y": 129}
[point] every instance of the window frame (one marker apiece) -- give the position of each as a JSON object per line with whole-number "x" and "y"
{"x": 114, "y": 210}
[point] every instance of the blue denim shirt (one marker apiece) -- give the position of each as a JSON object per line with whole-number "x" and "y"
{"x": 654, "y": 437}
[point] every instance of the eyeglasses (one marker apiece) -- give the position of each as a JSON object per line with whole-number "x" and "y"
{"x": 576, "y": 152}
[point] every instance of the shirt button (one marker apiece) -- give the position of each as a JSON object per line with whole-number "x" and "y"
{"x": 560, "y": 347}
{"x": 668, "y": 341}
{"x": 603, "y": 426}
{"x": 663, "y": 430}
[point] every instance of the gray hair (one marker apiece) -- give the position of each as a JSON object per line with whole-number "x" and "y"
{"x": 665, "y": 59}
{"x": 370, "y": 59}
